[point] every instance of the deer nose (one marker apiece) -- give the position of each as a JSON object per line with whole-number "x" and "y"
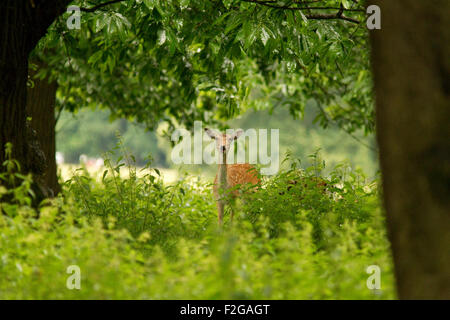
{"x": 224, "y": 148}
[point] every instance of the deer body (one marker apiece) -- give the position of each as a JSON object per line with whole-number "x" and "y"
{"x": 229, "y": 175}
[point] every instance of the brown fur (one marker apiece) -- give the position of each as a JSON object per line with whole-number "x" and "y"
{"x": 238, "y": 174}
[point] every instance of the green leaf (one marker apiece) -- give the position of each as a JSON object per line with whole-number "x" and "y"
{"x": 111, "y": 62}
{"x": 233, "y": 22}
{"x": 264, "y": 35}
{"x": 95, "y": 57}
{"x": 122, "y": 19}
{"x": 100, "y": 23}
{"x": 162, "y": 37}
{"x": 149, "y": 4}
{"x": 346, "y": 4}
{"x": 304, "y": 18}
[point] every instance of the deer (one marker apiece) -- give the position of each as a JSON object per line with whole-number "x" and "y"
{"x": 229, "y": 176}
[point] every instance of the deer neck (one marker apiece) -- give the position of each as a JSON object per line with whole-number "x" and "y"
{"x": 222, "y": 174}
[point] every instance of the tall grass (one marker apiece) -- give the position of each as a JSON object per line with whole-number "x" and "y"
{"x": 137, "y": 238}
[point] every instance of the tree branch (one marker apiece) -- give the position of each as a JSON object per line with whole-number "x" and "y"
{"x": 318, "y": 16}
{"x": 101, "y": 5}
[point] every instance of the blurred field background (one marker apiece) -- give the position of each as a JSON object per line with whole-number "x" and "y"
{"x": 93, "y": 132}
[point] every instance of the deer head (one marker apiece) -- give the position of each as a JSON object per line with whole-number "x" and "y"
{"x": 223, "y": 140}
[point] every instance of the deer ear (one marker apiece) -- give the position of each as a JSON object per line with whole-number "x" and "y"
{"x": 211, "y": 133}
{"x": 237, "y": 134}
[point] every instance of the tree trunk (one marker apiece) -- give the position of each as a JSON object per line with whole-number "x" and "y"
{"x": 41, "y": 108}
{"x": 410, "y": 59}
{"x": 22, "y": 24}
{"x": 13, "y": 80}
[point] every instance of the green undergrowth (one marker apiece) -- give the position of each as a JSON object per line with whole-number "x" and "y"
{"x": 300, "y": 235}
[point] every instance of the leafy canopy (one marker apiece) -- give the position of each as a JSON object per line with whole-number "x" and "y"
{"x": 185, "y": 60}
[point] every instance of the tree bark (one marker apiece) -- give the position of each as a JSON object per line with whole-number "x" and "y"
{"x": 41, "y": 100}
{"x": 411, "y": 65}
{"x": 13, "y": 80}
{"x": 22, "y": 24}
